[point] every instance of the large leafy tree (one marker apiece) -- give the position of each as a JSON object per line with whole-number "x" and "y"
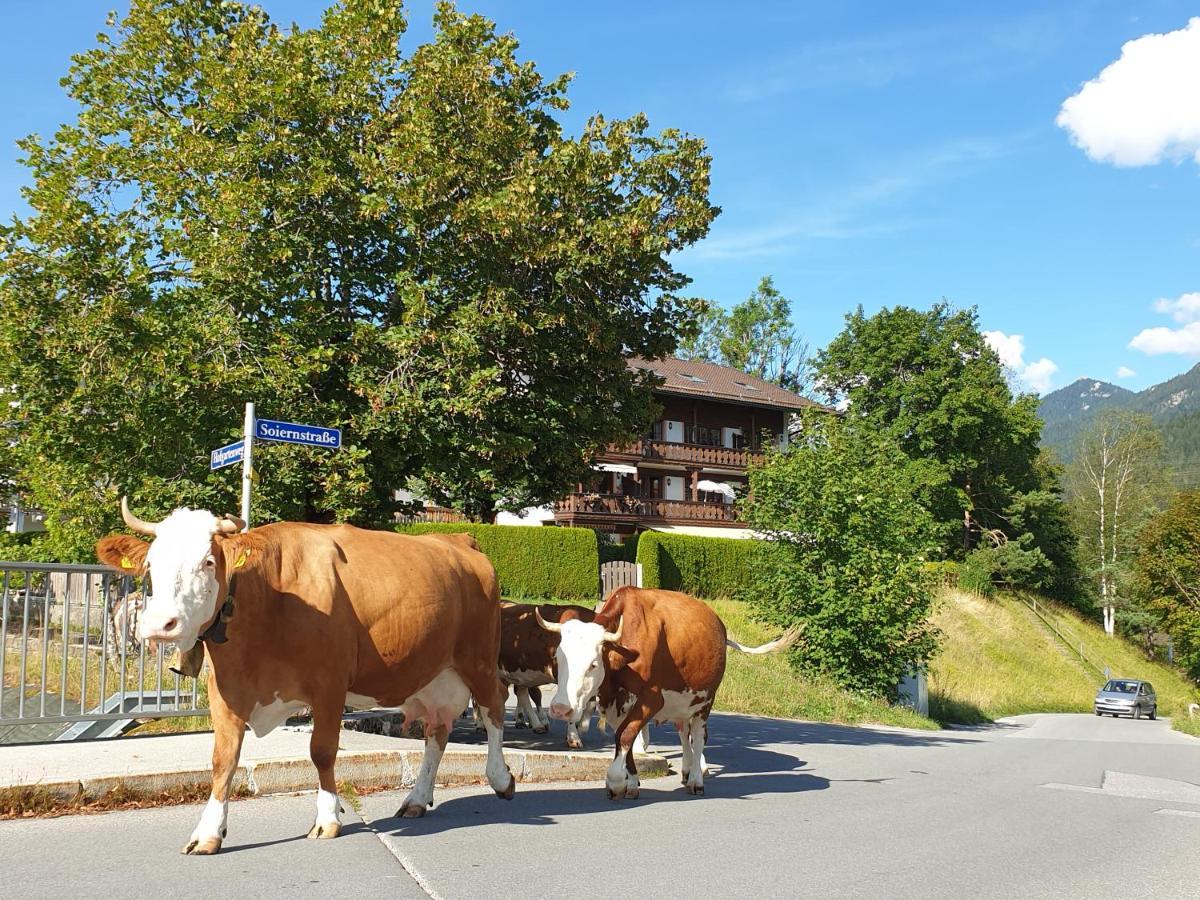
{"x": 929, "y": 381}
{"x": 1167, "y": 575}
{"x": 405, "y": 245}
{"x": 845, "y": 549}
{"x": 756, "y": 336}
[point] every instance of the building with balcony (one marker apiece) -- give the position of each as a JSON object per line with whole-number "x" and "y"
{"x": 687, "y": 473}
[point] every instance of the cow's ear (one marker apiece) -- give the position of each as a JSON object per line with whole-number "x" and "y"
{"x": 617, "y": 657}
{"x": 241, "y": 551}
{"x": 124, "y": 553}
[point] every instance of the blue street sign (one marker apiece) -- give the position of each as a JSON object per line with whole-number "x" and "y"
{"x": 227, "y": 456}
{"x": 295, "y": 433}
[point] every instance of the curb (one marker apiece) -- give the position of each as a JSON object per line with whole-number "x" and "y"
{"x": 364, "y": 769}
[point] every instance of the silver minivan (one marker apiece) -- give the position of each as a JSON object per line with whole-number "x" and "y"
{"x": 1127, "y": 697}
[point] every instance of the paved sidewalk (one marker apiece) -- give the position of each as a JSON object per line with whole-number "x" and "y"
{"x": 278, "y": 763}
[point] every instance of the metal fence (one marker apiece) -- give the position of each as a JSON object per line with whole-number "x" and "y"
{"x": 71, "y": 661}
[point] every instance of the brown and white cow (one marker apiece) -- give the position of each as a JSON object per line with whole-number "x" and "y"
{"x": 651, "y": 655}
{"x": 528, "y": 660}
{"x": 322, "y": 616}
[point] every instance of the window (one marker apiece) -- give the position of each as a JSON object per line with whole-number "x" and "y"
{"x": 694, "y": 378}
{"x": 746, "y": 385}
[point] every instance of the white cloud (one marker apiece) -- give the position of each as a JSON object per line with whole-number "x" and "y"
{"x": 1185, "y": 310}
{"x": 1156, "y": 341}
{"x": 1036, "y": 376}
{"x": 1143, "y": 108}
{"x": 1125, "y": 372}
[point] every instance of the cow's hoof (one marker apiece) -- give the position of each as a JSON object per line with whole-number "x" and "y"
{"x": 632, "y": 794}
{"x": 198, "y": 847}
{"x": 411, "y": 811}
{"x": 683, "y": 778}
{"x": 617, "y": 795}
{"x": 541, "y": 729}
{"x": 574, "y": 744}
{"x": 508, "y": 792}
{"x": 326, "y": 830}
{"x": 696, "y": 790}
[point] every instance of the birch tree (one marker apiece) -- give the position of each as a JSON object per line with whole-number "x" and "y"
{"x": 1115, "y": 483}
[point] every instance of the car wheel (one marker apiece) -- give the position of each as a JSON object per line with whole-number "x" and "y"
{"x": 1153, "y": 713}
{"x": 1137, "y": 712}
{"x": 1099, "y": 713}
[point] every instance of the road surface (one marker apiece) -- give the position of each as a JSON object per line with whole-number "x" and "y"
{"x": 1036, "y": 806}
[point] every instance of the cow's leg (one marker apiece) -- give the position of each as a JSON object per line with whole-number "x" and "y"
{"x": 695, "y": 782}
{"x": 228, "y": 730}
{"x": 490, "y": 694}
{"x": 529, "y": 711}
{"x": 641, "y": 744}
{"x": 323, "y": 748}
{"x": 574, "y": 741}
{"x": 585, "y": 721}
{"x": 421, "y": 796}
{"x": 622, "y": 780}
{"x": 685, "y": 741}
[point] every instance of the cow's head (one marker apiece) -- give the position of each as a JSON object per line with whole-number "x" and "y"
{"x": 581, "y": 664}
{"x": 190, "y": 562}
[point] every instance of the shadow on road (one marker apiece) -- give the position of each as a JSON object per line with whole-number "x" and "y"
{"x": 547, "y": 807}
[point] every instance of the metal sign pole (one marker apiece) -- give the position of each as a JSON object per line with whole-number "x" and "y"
{"x": 247, "y": 462}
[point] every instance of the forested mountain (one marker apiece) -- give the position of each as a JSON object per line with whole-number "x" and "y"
{"x": 1174, "y": 406}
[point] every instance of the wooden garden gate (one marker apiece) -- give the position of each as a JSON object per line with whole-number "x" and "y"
{"x": 619, "y": 574}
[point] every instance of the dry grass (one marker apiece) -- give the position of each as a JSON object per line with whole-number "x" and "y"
{"x": 39, "y": 803}
{"x": 997, "y": 659}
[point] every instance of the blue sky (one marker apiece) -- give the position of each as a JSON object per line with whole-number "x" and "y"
{"x": 866, "y": 153}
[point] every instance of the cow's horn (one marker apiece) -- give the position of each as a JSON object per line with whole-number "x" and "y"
{"x": 614, "y": 637}
{"x": 228, "y": 524}
{"x": 134, "y": 522}
{"x": 549, "y": 626}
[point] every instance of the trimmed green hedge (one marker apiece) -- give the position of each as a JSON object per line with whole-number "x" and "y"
{"x": 533, "y": 561}
{"x": 701, "y": 566}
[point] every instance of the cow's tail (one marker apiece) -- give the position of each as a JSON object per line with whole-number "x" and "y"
{"x": 792, "y": 635}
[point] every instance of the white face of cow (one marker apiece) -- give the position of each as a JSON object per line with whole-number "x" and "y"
{"x": 580, "y": 667}
{"x": 183, "y": 579}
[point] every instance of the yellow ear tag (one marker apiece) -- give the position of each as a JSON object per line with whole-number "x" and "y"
{"x": 126, "y": 562}
{"x": 241, "y": 560}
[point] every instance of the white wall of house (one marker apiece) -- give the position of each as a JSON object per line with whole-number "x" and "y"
{"x": 673, "y": 487}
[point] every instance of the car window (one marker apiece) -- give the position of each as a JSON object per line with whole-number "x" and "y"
{"x": 1149, "y": 688}
{"x": 1121, "y": 687}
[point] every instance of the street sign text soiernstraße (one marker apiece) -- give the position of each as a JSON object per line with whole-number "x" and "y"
{"x": 296, "y": 433}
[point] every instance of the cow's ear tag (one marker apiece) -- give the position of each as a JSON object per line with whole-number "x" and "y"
{"x": 241, "y": 560}
{"x": 126, "y": 562}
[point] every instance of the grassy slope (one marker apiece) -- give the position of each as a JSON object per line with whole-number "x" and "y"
{"x": 997, "y": 659}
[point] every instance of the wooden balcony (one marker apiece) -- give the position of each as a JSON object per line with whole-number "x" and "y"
{"x": 693, "y": 454}
{"x": 607, "y": 510}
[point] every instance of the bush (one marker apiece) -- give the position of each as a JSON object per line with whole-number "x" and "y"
{"x": 847, "y": 540}
{"x": 533, "y": 562}
{"x": 701, "y": 566}
{"x": 975, "y": 575}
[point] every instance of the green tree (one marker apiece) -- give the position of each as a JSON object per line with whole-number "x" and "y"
{"x": 1167, "y": 575}
{"x": 846, "y": 542}
{"x": 407, "y": 246}
{"x": 929, "y": 380}
{"x": 757, "y": 336}
{"x": 1116, "y": 482}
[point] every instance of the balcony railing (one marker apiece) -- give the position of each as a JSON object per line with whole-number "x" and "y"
{"x": 697, "y": 454}
{"x": 628, "y": 507}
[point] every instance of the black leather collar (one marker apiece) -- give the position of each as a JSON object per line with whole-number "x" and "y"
{"x": 215, "y": 632}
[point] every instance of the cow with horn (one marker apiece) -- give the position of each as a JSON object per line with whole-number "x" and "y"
{"x": 649, "y": 656}
{"x": 293, "y": 615}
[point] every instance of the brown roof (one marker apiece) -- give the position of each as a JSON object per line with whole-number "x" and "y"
{"x": 693, "y": 378}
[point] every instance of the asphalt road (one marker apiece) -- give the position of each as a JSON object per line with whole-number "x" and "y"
{"x": 1037, "y": 806}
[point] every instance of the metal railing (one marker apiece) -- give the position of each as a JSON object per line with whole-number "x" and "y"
{"x": 70, "y": 653}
